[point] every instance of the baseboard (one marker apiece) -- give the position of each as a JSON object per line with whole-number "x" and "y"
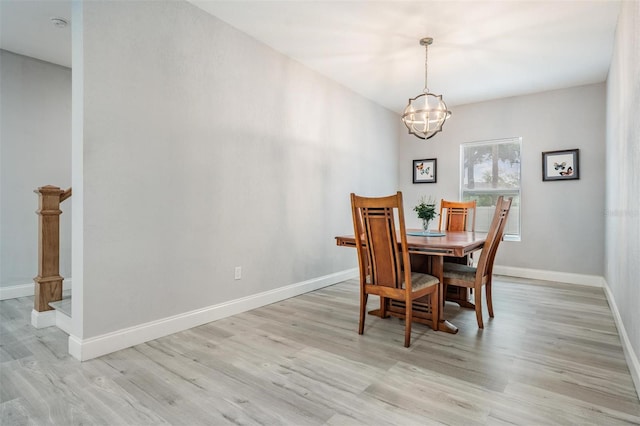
{"x": 15, "y": 291}
{"x": 540, "y": 274}
{"x": 93, "y": 347}
{"x": 43, "y": 319}
{"x": 49, "y": 319}
{"x": 63, "y": 322}
{"x": 632, "y": 358}
{"x": 24, "y": 290}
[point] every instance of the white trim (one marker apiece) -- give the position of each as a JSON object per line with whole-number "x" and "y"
{"x": 77, "y": 164}
{"x": 43, "y": 319}
{"x": 632, "y": 358}
{"x": 15, "y": 291}
{"x": 539, "y": 274}
{"x": 93, "y": 347}
{"x": 24, "y": 290}
{"x": 63, "y": 322}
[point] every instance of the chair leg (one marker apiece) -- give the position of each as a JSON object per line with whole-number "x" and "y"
{"x": 487, "y": 289}
{"x": 478, "y": 301}
{"x": 384, "y": 302}
{"x": 435, "y": 308}
{"x": 444, "y": 296}
{"x": 363, "y": 308}
{"x": 408, "y": 316}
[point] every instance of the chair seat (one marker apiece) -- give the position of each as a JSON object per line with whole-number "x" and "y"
{"x": 420, "y": 281}
{"x": 459, "y": 271}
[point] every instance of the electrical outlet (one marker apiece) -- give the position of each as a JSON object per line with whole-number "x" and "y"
{"x": 238, "y": 272}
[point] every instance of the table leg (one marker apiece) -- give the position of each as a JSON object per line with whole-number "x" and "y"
{"x": 437, "y": 271}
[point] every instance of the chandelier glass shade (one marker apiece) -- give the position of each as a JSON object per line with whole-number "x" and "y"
{"x": 425, "y": 114}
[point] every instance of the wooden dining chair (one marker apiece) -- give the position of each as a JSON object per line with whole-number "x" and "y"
{"x": 477, "y": 277}
{"x": 385, "y": 267}
{"x": 454, "y": 215}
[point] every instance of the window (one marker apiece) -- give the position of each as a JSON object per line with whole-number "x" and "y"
{"x": 490, "y": 169}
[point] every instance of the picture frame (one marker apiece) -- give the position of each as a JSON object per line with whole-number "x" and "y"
{"x": 561, "y": 165}
{"x": 425, "y": 171}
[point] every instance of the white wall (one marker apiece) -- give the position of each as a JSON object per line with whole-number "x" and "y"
{"x": 562, "y": 221}
{"x": 622, "y": 256}
{"x": 205, "y": 150}
{"x": 35, "y": 150}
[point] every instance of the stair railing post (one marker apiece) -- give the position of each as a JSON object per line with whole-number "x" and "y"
{"x": 48, "y": 283}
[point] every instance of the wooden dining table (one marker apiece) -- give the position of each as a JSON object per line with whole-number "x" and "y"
{"x": 427, "y": 254}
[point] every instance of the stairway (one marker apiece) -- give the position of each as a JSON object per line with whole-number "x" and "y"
{"x": 63, "y": 312}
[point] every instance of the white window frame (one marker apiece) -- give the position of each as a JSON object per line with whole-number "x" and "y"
{"x": 515, "y": 214}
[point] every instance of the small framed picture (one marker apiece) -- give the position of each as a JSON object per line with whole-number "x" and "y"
{"x": 425, "y": 171}
{"x": 560, "y": 165}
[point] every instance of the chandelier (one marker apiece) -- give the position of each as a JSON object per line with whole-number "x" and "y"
{"x": 425, "y": 114}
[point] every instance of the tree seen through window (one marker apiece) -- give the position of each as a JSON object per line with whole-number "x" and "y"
{"x": 491, "y": 169}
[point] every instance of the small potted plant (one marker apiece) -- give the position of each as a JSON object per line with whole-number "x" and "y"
{"x": 426, "y": 210}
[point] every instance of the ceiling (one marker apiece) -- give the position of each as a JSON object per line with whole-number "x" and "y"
{"x": 482, "y": 50}
{"x": 26, "y": 28}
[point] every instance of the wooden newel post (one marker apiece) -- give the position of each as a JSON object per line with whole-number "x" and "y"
{"x": 48, "y": 283}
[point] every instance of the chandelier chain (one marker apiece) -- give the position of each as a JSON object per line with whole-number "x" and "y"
{"x": 426, "y": 63}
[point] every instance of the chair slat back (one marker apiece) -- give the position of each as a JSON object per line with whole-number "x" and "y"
{"x": 378, "y": 251}
{"x": 494, "y": 236}
{"x": 454, "y": 215}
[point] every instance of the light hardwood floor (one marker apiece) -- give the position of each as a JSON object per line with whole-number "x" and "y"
{"x": 550, "y": 356}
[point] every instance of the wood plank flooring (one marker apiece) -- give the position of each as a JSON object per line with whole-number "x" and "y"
{"x": 550, "y": 356}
